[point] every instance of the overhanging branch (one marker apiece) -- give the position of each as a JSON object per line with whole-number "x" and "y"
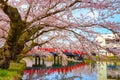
{"x": 55, "y": 12}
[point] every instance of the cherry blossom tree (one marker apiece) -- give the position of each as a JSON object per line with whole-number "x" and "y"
{"x": 68, "y": 24}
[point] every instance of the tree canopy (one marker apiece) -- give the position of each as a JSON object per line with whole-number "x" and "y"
{"x": 64, "y": 24}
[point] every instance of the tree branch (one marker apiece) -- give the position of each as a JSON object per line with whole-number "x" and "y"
{"x": 93, "y": 43}
{"x": 3, "y": 29}
{"x": 26, "y": 16}
{"x": 114, "y": 32}
{"x": 55, "y": 12}
{"x": 26, "y": 50}
{"x": 28, "y": 33}
{"x": 45, "y": 31}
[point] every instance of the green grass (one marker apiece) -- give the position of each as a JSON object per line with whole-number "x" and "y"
{"x": 107, "y": 58}
{"x": 13, "y": 73}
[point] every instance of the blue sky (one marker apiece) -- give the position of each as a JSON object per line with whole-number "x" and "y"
{"x": 86, "y": 12}
{"x": 102, "y": 30}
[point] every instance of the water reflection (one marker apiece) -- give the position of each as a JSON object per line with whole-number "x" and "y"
{"x": 113, "y": 70}
{"x": 76, "y": 71}
{"x": 101, "y": 70}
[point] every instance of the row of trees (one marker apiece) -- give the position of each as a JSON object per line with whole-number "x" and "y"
{"x": 25, "y": 24}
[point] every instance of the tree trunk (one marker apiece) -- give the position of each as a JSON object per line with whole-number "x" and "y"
{"x": 12, "y": 48}
{"x": 9, "y": 52}
{"x": 15, "y": 51}
{"x": 16, "y": 38}
{"x": 4, "y": 57}
{"x": 4, "y": 62}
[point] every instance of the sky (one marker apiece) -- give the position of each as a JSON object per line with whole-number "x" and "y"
{"x": 102, "y": 31}
{"x": 94, "y": 16}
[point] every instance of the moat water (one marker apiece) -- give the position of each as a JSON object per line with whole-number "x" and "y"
{"x": 75, "y": 71}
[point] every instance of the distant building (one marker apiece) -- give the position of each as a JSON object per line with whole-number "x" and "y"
{"x": 110, "y": 41}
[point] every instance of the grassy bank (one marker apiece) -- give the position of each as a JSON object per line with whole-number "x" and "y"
{"x": 103, "y": 58}
{"x": 13, "y": 73}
